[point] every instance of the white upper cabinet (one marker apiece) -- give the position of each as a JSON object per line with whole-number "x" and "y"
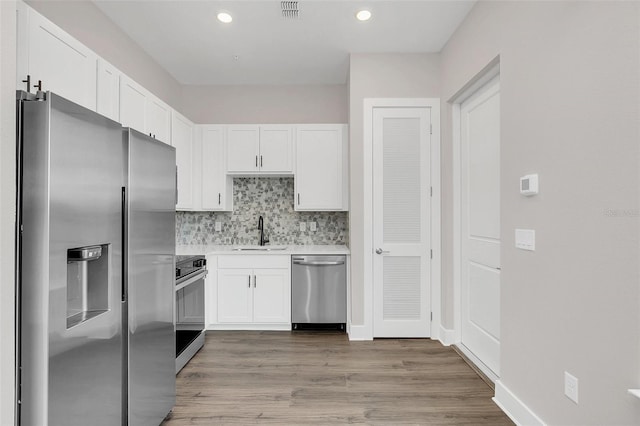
{"x": 276, "y": 149}
{"x": 321, "y": 178}
{"x": 133, "y": 104}
{"x": 243, "y": 148}
{"x": 217, "y": 187}
{"x": 142, "y": 111}
{"x": 46, "y": 53}
{"x": 158, "y": 119}
{"x": 182, "y": 137}
{"x": 264, "y": 149}
{"x": 108, "y": 83}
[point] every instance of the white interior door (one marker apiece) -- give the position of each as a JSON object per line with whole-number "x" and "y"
{"x": 401, "y": 222}
{"x": 480, "y": 225}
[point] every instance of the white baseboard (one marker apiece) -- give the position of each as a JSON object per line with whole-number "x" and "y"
{"x": 447, "y": 337}
{"x": 249, "y": 327}
{"x": 360, "y": 332}
{"x": 514, "y": 407}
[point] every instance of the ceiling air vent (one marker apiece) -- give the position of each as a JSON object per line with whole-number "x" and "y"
{"x": 289, "y": 9}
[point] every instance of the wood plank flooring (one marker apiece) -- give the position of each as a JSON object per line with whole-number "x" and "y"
{"x": 320, "y": 378}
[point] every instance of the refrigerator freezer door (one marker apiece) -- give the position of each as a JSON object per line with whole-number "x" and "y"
{"x": 151, "y": 271}
{"x": 71, "y": 310}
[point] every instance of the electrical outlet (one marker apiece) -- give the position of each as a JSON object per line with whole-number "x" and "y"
{"x": 218, "y": 226}
{"x": 571, "y": 387}
{"x": 312, "y": 226}
{"x": 303, "y": 226}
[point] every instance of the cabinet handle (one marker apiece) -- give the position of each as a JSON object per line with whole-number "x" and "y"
{"x": 256, "y": 161}
{"x": 219, "y": 198}
{"x": 255, "y": 280}
{"x": 261, "y": 161}
{"x": 249, "y": 281}
{"x": 298, "y": 198}
{"x": 28, "y": 81}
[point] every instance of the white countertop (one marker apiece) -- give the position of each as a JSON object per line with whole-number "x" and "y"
{"x": 288, "y": 250}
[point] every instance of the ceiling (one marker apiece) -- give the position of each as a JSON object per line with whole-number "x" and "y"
{"x": 262, "y": 47}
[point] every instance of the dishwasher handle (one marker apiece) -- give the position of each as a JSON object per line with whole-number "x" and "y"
{"x": 317, "y": 263}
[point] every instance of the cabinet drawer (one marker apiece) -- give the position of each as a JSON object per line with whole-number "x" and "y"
{"x": 265, "y": 261}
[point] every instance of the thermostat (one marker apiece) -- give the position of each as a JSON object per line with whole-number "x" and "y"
{"x": 529, "y": 185}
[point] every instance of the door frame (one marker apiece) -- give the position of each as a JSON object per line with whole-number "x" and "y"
{"x": 436, "y": 267}
{"x": 487, "y": 74}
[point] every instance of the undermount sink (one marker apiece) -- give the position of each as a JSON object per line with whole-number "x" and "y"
{"x": 260, "y": 248}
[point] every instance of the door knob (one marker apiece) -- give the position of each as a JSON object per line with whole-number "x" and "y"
{"x": 380, "y": 251}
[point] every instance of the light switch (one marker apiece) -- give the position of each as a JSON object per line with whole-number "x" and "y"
{"x": 312, "y": 226}
{"x": 526, "y": 239}
{"x": 218, "y": 226}
{"x": 303, "y": 226}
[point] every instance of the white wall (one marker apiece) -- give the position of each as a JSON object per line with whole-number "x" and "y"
{"x": 85, "y": 22}
{"x": 570, "y": 105}
{"x": 378, "y": 76}
{"x": 265, "y": 104}
{"x": 7, "y": 207}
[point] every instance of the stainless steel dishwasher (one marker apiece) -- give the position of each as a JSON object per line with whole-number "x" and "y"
{"x": 318, "y": 292}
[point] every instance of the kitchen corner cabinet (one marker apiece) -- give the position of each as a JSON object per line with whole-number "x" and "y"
{"x": 216, "y": 186}
{"x": 252, "y": 292}
{"x": 182, "y": 137}
{"x": 260, "y": 149}
{"x": 46, "y": 53}
{"x": 321, "y": 177}
{"x": 203, "y": 184}
{"x": 142, "y": 111}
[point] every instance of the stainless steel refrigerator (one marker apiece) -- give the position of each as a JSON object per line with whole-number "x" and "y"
{"x": 96, "y": 246}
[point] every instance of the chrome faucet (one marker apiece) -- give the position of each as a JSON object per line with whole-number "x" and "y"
{"x": 263, "y": 240}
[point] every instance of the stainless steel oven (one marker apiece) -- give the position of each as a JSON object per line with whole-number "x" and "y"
{"x": 190, "y": 274}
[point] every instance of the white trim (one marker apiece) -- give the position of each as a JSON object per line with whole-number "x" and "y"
{"x": 436, "y": 268}
{"x": 447, "y": 336}
{"x": 514, "y": 407}
{"x": 483, "y": 77}
{"x": 251, "y": 327}
{"x": 359, "y": 332}
{"x": 478, "y": 363}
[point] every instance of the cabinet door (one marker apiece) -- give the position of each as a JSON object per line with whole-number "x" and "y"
{"x": 235, "y": 295}
{"x": 158, "y": 119}
{"x": 243, "y": 144}
{"x": 64, "y": 65}
{"x": 276, "y": 149}
{"x": 182, "y": 137}
{"x": 108, "y": 100}
{"x": 214, "y": 175}
{"x": 133, "y": 101}
{"x": 319, "y": 167}
{"x": 271, "y": 300}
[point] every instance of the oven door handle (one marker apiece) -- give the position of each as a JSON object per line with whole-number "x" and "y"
{"x": 197, "y": 277}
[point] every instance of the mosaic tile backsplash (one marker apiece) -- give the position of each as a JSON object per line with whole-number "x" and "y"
{"x": 273, "y": 199}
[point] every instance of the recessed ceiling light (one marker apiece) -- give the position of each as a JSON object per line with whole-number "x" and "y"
{"x": 224, "y": 17}
{"x": 363, "y": 15}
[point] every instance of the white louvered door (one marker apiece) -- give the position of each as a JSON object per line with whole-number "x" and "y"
{"x": 401, "y": 221}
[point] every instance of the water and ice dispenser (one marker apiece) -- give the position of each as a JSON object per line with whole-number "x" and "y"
{"x": 87, "y": 283}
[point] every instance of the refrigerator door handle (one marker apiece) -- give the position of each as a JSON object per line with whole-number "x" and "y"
{"x": 125, "y": 253}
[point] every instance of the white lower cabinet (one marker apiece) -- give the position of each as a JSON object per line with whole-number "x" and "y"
{"x": 249, "y": 292}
